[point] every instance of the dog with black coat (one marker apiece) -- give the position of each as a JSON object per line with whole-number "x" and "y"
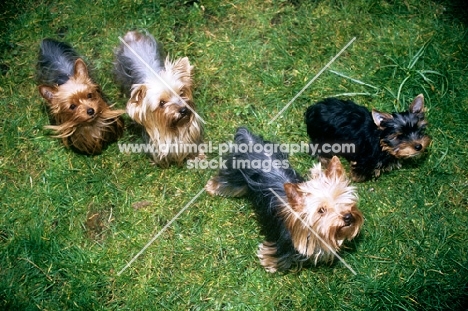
{"x": 379, "y": 140}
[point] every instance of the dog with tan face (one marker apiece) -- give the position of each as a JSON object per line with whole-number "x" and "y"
{"x": 82, "y": 118}
{"x": 379, "y": 140}
{"x": 161, "y": 98}
{"x": 302, "y": 220}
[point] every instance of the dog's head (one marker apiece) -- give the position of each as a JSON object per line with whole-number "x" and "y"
{"x": 76, "y": 102}
{"x": 82, "y": 117}
{"x": 165, "y": 104}
{"x": 322, "y": 212}
{"x": 78, "y": 99}
{"x": 403, "y": 134}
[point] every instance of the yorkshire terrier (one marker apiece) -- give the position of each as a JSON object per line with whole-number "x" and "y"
{"x": 302, "y": 220}
{"x": 81, "y": 117}
{"x": 160, "y": 97}
{"x": 380, "y": 139}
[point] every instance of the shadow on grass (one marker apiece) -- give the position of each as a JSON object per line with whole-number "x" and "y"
{"x": 457, "y": 8}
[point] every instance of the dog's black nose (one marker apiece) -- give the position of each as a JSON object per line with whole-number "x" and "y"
{"x": 90, "y": 111}
{"x": 418, "y": 147}
{"x": 183, "y": 111}
{"x": 348, "y": 219}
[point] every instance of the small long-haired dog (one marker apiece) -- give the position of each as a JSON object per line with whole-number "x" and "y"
{"x": 160, "y": 97}
{"x": 81, "y": 117}
{"x": 379, "y": 139}
{"x": 301, "y": 219}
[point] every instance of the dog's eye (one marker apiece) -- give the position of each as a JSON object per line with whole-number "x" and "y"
{"x": 162, "y": 103}
{"x": 72, "y": 106}
{"x": 322, "y": 210}
{"x": 90, "y": 95}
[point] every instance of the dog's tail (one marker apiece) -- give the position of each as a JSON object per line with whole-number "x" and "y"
{"x": 56, "y": 62}
{"x": 137, "y": 59}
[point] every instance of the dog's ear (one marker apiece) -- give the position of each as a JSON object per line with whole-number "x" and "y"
{"x": 380, "y": 117}
{"x": 417, "y": 106}
{"x": 135, "y": 103}
{"x": 296, "y": 198}
{"x": 80, "y": 69}
{"x": 335, "y": 169}
{"x": 47, "y": 92}
{"x": 183, "y": 65}
{"x": 181, "y": 69}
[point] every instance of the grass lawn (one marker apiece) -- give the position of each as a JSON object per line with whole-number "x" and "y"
{"x": 71, "y": 223}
